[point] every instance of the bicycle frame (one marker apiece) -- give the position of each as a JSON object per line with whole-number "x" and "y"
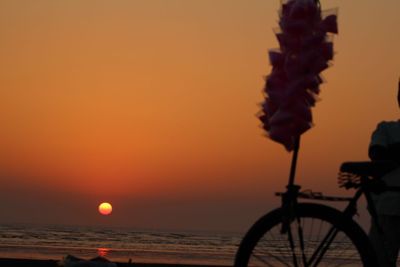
{"x": 290, "y": 200}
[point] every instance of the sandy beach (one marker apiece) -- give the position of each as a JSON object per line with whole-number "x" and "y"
{"x": 10, "y": 262}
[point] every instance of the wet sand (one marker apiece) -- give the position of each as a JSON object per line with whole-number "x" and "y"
{"x": 9, "y": 262}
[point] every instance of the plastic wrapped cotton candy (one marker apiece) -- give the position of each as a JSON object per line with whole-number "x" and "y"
{"x": 292, "y": 87}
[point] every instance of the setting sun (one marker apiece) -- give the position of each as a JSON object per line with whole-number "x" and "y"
{"x": 105, "y": 208}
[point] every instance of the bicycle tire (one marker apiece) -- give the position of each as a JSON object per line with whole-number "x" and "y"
{"x": 276, "y": 251}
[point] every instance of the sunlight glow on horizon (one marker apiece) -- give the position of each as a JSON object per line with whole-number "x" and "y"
{"x": 160, "y": 97}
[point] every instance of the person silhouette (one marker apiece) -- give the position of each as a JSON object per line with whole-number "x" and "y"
{"x": 385, "y": 237}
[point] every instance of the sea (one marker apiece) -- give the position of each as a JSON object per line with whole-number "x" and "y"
{"x": 118, "y": 244}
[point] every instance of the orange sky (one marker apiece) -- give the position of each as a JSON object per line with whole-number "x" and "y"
{"x": 151, "y": 104}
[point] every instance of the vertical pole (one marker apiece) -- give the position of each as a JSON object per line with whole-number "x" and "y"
{"x": 398, "y": 93}
{"x": 294, "y": 161}
{"x": 289, "y": 198}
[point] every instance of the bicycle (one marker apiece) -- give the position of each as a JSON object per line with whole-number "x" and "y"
{"x": 310, "y": 234}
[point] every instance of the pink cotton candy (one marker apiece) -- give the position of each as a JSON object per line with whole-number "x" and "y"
{"x": 276, "y": 58}
{"x": 329, "y": 24}
{"x": 292, "y": 88}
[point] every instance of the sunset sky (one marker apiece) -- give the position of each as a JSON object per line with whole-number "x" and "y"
{"x": 151, "y": 105}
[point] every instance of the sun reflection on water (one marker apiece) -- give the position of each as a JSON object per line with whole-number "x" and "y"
{"x": 103, "y": 252}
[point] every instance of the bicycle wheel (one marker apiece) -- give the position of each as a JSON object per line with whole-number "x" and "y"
{"x": 320, "y": 236}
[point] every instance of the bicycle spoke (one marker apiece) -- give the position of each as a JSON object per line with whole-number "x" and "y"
{"x": 309, "y": 234}
{"x": 274, "y": 248}
{"x": 292, "y": 246}
{"x": 273, "y": 256}
{"x": 301, "y": 241}
{"x": 311, "y": 239}
{"x": 319, "y": 252}
{"x": 341, "y": 251}
{"x": 278, "y": 242}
